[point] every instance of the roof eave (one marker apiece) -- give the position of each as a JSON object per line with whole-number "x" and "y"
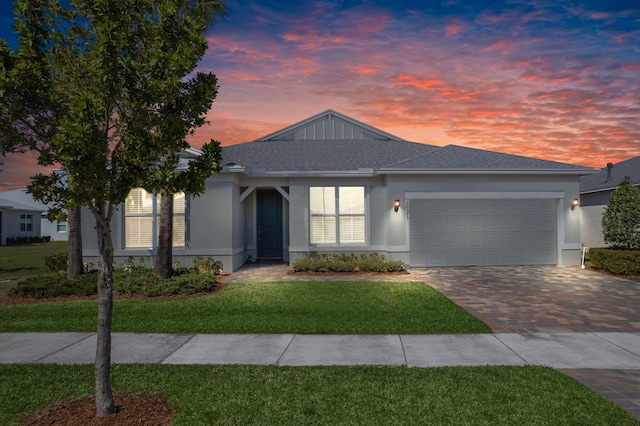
{"x": 609, "y": 188}
{"x": 460, "y": 171}
{"x": 372, "y": 172}
{"x": 310, "y": 173}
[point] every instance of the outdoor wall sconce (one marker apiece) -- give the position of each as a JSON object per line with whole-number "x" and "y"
{"x": 396, "y": 205}
{"x": 574, "y": 203}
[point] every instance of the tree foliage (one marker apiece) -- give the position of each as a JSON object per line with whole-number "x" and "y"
{"x": 95, "y": 89}
{"x": 621, "y": 217}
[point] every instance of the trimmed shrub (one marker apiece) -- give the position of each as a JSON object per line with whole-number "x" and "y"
{"x": 207, "y": 266}
{"x": 619, "y": 262}
{"x": 57, "y": 262}
{"x": 11, "y": 241}
{"x": 326, "y": 262}
{"x": 46, "y": 286}
{"x": 146, "y": 283}
{"x": 131, "y": 279}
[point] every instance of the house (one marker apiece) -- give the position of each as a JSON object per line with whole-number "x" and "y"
{"x": 595, "y": 191}
{"x": 22, "y": 216}
{"x": 332, "y": 184}
{"x": 17, "y": 221}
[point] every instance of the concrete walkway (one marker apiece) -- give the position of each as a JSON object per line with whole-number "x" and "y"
{"x": 560, "y": 350}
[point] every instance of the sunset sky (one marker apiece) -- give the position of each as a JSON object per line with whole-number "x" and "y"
{"x": 557, "y": 80}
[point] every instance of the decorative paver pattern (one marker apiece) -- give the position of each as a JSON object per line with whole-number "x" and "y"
{"x": 535, "y": 299}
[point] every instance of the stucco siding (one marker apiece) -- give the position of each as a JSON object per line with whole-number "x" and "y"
{"x": 591, "y": 226}
{"x": 11, "y": 225}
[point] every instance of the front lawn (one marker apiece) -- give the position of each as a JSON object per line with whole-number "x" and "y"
{"x": 26, "y": 260}
{"x": 304, "y": 307}
{"x": 364, "y": 395}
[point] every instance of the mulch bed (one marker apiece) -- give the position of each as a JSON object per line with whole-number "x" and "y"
{"x": 7, "y": 299}
{"x": 144, "y": 408}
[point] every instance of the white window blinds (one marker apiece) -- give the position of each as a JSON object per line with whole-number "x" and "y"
{"x": 141, "y": 213}
{"x": 337, "y": 215}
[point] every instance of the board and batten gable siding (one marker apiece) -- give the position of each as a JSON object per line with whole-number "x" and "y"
{"x": 331, "y": 127}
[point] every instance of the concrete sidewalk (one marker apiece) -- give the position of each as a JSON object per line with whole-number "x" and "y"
{"x": 557, "y": 350}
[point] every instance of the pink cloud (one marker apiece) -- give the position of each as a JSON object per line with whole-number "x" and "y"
{"x": 453, "y": 28}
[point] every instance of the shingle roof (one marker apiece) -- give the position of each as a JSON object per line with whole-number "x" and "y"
{"x": 601, "y": 182}
{"x": 454, "y": 157}
{"x": 322, "y": 155}
{"x": 301, "y": 151}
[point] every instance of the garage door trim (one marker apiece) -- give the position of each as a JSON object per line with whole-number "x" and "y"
{"x": 513, "y": 195}
{"x": 482, "y": 195}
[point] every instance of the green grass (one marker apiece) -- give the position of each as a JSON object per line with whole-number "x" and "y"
{"x": 364, "y": 395}
{"x": 22, "y": 261}
{"x": 309, "y": 307}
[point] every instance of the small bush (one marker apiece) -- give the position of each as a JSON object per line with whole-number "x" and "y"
{"x": 372, "y": 262}
{"x": 207, "y": 266}
{"x": 146, "y": 283}
{"x": 131, "y": 279}
{"x": 57, "y": 262}
{"x": 131, "y": 265}
{"x": 46, "y": 286}
{"x": 11, "y": 241}
{"x": 619, "y": 262}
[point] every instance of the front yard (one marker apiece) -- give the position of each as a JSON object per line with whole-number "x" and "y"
{"x": 361, "y": 395}
{"x": 313, "y": 307}
{"x": 239, "y": 394}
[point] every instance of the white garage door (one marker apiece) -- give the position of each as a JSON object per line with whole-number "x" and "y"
{"x": 483, "y": 232}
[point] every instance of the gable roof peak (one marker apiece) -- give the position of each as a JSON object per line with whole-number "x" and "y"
{"x": 329, "y": 125}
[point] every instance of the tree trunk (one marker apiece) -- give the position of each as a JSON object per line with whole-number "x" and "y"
{"x": 74, "y": 222}
{"x": 164, "y": 258}
{"x": 105, "y": 404}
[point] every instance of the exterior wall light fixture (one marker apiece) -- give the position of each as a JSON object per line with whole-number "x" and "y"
{"x": 396, "y": 205}
{"x": 575, "y": 203}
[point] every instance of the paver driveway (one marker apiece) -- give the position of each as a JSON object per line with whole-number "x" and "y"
{"x": 527, "y": 299}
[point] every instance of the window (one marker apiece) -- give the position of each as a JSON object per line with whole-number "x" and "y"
{"x": 61, "y": 226}
{"x": 141, "y": 217}
{"x": 337, "y": 215}
{"x": 26, "y": 223}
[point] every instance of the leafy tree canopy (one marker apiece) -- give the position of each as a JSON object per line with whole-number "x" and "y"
{"x": 621, "y": 217}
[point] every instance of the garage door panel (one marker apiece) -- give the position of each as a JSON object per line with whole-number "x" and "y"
{"x": 455, "y": 224}
{"x": 483, "y": 232}
{"x": 437, "y": 224}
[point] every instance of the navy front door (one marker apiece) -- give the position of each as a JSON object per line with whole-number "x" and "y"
{"x": 269, "y": 224}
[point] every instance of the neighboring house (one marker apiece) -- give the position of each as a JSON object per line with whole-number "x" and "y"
{"x": 19, "y": 209}
{"x": 332, "y": 184}
{"x": 595, "y": 191}
{"x": 18, "y": 220}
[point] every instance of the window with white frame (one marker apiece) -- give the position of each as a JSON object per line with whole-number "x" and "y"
{"x": 337, "y": 215}
{"x": 61, "y": 225}
{"x": 26, "y": 223}
{"x": 141, "y": 217}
